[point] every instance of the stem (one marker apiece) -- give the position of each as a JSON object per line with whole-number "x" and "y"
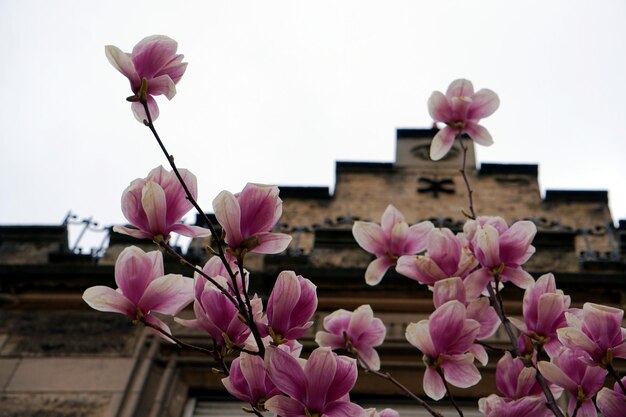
{"x": 251, "y": 322}
{"x": 175, "y": 339}
{"x": 445, "y": 384}
{"x": 492, "y": 348}
{"x": 578, "y": 404}
{"x": 399, "y": 385}
{"x": 615, "y": 376}
{"x": 472, "y": 213}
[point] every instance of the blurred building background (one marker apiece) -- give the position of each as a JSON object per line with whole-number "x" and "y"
{"x": 60, "y": 358}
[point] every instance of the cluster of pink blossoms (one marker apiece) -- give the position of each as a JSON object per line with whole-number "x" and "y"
{"x": 465, "y": 271}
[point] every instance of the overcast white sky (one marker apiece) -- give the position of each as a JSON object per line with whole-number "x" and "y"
{"x": 277, "y": 91}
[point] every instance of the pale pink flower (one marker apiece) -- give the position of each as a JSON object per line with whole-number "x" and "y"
{"x": 143, "y": 289}
{"x": 445, "y": 340}
{"x": 153, "y": 58}
{"x": 248, "y": 380}
{"x": 568, "y": 371}
{"x": 319, "y": 387}
{"x": 217, "y": 315}
{"x": 477, "y": 309}
{"x": 389, "y": 241}
{"x": 544, "y": 310}
{"x": 155, "y": 205}
{"x": 495, "y": 406}
{"x": 599, "y": 333}
{"x": 248, "y": 217}
{"x": 291, "y": 306}
{"x": 612, "y": 402}
{"x": 357, "y": 331}
{"x": 446, "y": 256}
{"x": 460, "y": 109}
{"x": 516, "y": 380}
{"x": 500, "y": 250}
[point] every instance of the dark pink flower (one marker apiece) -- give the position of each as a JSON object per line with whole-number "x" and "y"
{"x": 533, "y": 406}
{"x": 155, "y": 205}
{"x": 248, "y": 380}
{"x": 321, "y": 387}
{"x": 356, "y": 331}
{"x": 599, "y": 333}
{"x": 143, "y": 288}
{"x": 248, "y": 217}
{"x": 612, "y": 402}
{"x": 500, "y": 250}
{"x": 582, "y": 381}
{"x": 460, "y": 109}
{"x": 446, "y": 256}
{"x": 516, "y": 380}
{"x": 544, "y": 310}
{"x": 154, "y": 58}
{"x": 445, "y": 340}
{"x": 291, "y": 306}
{"x": 388, "y": 241}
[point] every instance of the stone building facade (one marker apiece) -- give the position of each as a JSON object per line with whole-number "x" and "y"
{"x": 59, "y": 358}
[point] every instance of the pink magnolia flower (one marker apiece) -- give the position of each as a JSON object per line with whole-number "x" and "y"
{"x": 291, "y": 306}
{"x": 214, "y": 267}
{"x": 460, "y": 109}
{"x": 445, "y": 340}
{"x": 319, "y": 387}
{"x": 501, "y": 250}
{"x": 388, "y": 241}
{"x": 446, "y": 256}
{"x": 495, "y": 406}
{"x": 248, "y": 217}
{"x": 155, "y": 205}
{"x": 249, "y": 382}
{"x": 544, "y": 310}
{"x": 357, "y": 331}
{"x": 612, "y": 402}
{"x": 154, "y": 59}
{"x": 516, "y": 380}
{"x": 599, "y": 334}
{"x": 477, "y": 309}
{"x": 217, "y": 315}
{"x": 577, "y": 378}
{"x": 143, "y": 289}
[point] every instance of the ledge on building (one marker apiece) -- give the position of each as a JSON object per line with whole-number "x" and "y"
{"x": 305, "y": 193}
{"x": 350, "y": 167}
{"x": 578, "y": 196}
{"x": 503, "y": 169}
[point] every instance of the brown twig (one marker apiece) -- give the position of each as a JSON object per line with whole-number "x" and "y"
{"x": 472, "y": 213}
{"x": 175, "y": 339}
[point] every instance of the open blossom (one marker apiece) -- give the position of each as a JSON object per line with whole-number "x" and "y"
{"x": 544, "y": 310}
{"x": 143, "y": 288}
{"x": 501, "y": 250}
{"x": 495, "y": 406}
{"x": 291, "y": 306}
{"x": 320, "y": 387}
{"x": 155, "y": 205}
{"x": 357, "y": 331}
{"x": 516, "y": 380}
{"x": 389, "y": 241}
{"x": 247, "y": 218}
{"x": 445, "y": 340}
{"x": 579, "y": 379}
{"x": 154, "y": 59}
{"x": 248, "y": 380}
{"x": 460, "y": 109}
{"x": 599, "y": 334}
{"x": 446, "y": 256}
{"x": 612, "y": 402}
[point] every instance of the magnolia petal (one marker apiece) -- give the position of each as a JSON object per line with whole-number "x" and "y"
{"x": 487, "y": 246}
{"x": 162, "y": 84}
{"x": 391, "y": 217}
{"x": 337, "y": 321}
{"x": 439, "y": 107}
{"x": 446, "y": 324}
{"x": 254, "y": 373}
{"x": 418, "y": 334}
{"x": 285, "y": 406}
{"x": 398, "y": 238}
{"x": 517, "y": 276}
{"x": 168, "y": 294}
{"x": 330, "y": 340}
{"x": 460, "y": 371}
{"x": 479, "y": 352}
{"x": 416, "y": 239}
{"x": 123, "y": 63}
{"x": 261, "y": 208}
{"x": 549, "y": 309}
{"x": 460, "y": 88}
{"x": 376, "y": 270}
{"x": 136, "y": 233}
{"x": 370, "y": 236}
{"x": 478, "y": 133}
{"x": 442, "y": 142}
{"x": 140, "y": 113}
{"x": 445, "y": 249}
{"x": 190, "y": 231}
{"x": 515, "y": 241}
{"x": 152, "y": 54}
{"x": 159, "y": 324}
{"x": 476, "y": 283}
{"x": 344, "y": 379}
{"x": 484, "y": 103}
{"x": 271, "y": 243}
{"x": 433, "y": 384}
{"x": 133, "y": 273}
{"x": 573, "y": 338}
{"x": 321, "y": 365}
{"x": 155, "y": 205}
{"x": 286, "y": 373}
{"x": 106, "y": 299}
{"x": 447, "y": 290}
{"x": 555, "y": 375}
{"x": 343, "y": 409}
{"x": 611, "y": 403}
{"x": 369, "y": 357}
{"x": 228, "y": 215}
{"x": 177, "y": 202}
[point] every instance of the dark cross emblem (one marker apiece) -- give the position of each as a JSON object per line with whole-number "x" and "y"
{"x": 435, "y": 186}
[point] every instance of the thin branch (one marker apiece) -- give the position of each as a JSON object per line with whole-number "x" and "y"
{"x": 615, "y": 376}
{"x": 472, "y": 213}
{"x": 175, "y": 339}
